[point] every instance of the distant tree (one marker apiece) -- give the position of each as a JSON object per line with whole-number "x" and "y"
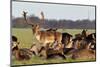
{"x": 53, "y": 23}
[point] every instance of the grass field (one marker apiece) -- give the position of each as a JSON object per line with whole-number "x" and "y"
{"x": 26, "y": 39}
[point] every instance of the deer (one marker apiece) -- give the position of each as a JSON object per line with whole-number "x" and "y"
{"x": 85, "y": 46}
{"x": 85, "y": 53}
{"x": 44, "y": 37}
{"x": 50, "y": 38}
{"x": 20, "y": 53}
{"x": 53, "y": 30}
{"x": 48, "y": 52}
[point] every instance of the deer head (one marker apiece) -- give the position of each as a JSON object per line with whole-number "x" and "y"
{"x": 30, "y": 23}
{"x": 35, "y": 27}
{"x": 84, "y": 33}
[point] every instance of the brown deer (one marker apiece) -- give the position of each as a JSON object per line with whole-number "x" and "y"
{"x": 85, "y": 53}
{"x": 51, "y": 52}
{"x": 85, "y": 46}
{"x": 44, "y": 37}
{"x": 53, "y": 30}
{"x": 20, "y": 53}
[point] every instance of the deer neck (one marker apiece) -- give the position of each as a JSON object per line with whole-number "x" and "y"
{"x": 88, "y": 46}
{"x": 69, "y": 45}
{"x": 37, "y": 35}
{"x": 17, "y": 54}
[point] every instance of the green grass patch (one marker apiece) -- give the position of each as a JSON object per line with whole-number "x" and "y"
{"x": 26, "y": 38}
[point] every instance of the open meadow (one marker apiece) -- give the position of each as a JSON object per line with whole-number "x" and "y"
{"x": 26, "y": 38}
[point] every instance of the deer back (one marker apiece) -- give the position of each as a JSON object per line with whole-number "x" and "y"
{"x": 48, "y": 36}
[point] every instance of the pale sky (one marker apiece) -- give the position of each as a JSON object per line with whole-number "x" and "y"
{"x": 54, "y": 11}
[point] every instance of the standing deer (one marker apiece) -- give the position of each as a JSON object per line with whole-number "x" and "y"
{"x": 44, "y": 37}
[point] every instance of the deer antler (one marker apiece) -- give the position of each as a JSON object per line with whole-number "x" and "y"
{"x": 42, "y": 16}
{"x": 24, "y": 14}
{"x": 30, "y": 23}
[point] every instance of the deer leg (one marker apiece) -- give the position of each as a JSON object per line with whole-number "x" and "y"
{"x": 62, "y": 55}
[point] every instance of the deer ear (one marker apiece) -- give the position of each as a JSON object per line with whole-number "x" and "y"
{"x": 32, "y": 25}
{"x": 37, "y": 26}
{"x": 18, "y": 43}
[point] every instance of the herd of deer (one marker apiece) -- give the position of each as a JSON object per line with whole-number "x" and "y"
{"x": 53, "y": 43}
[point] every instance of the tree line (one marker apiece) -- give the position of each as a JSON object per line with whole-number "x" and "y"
{"x": 19, "y": 22}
